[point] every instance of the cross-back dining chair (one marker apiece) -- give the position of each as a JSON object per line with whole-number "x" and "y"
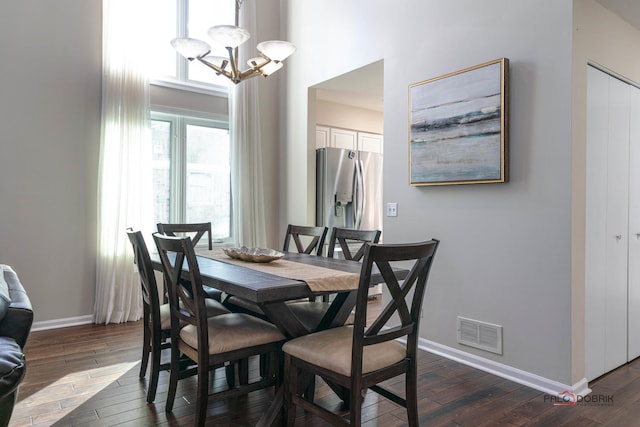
{"x": 196, "y": 231}
{"x": 348, "y": 238}
{"x": 156, "y": 316}
{"x": 351, "y": 243}
{"x": 297, "y": 233}
{"x": 357, "y": 357}
{"x": 214, "y": 341}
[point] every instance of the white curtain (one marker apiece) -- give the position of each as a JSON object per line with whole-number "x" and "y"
{"x": 244, "y": 125}
{"x": 124, "y": 175}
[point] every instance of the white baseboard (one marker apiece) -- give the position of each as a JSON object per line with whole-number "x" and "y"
{"x": 536, "y": 382}
{"x": 62, "y": 323}
{"x": 528, "y": 379}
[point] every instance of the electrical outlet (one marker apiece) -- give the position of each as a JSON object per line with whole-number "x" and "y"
{"x": 392, "y": 209}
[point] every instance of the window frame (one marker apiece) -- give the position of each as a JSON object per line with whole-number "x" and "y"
{"x": 179, "y": 120}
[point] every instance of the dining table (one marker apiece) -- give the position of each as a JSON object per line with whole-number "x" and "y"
{"x": 271, "y": 285}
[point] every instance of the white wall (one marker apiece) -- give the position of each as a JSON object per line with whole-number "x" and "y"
{"x": 505, "y": 256}
{"x": 344, "y": 116}
{"x": 50, "y": 127}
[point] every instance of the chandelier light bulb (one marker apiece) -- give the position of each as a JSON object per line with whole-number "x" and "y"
{"x": 276, "y": 50}
{"x": 190, "y": 48}
{"x": 228, "y": 36}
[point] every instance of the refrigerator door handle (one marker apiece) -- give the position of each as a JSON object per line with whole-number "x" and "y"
{"x": 358, "y": 198}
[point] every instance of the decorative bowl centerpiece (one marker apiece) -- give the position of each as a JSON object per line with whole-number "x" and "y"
{"x": 253, "y": 254}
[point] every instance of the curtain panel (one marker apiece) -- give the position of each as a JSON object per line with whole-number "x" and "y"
{"x": 244, "y": 126}
{"x": 124, "y": 176}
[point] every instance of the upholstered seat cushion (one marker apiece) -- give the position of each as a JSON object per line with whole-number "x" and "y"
{"x": 12, "y": 366}
{"x": 331, "y": 349}
{"x": 214, "y": 308}
{"x": 228, "y": 332}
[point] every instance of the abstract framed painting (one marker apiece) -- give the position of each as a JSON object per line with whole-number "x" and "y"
{"x": 458, "y": 127}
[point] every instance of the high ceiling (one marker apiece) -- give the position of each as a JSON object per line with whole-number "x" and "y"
{"x": 361, "y": 88}
{"x": 629, "y": 10}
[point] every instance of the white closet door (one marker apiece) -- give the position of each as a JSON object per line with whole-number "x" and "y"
{"x": 634, "y": 227}
{"x": 596, "y": 214}
{"x": 607, "y": 223}
{"x": 616, "y": 238}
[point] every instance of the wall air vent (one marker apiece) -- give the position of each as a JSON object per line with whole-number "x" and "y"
{"x": 484, "y": 336}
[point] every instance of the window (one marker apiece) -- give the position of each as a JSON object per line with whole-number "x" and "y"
{"x": 191, "y": 154}
{"x": 191, "y": 172}
{"x": 186, "y": 18}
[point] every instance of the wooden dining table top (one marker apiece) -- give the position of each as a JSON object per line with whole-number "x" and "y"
{"x": 261, "y": 287}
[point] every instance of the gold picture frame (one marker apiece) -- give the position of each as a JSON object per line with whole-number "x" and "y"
{"x": 458, "y": 127}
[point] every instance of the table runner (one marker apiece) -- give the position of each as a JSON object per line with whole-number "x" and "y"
{"x": 319, "y": 279}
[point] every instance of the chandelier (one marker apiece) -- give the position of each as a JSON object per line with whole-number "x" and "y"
{"x": 271, "y": 52}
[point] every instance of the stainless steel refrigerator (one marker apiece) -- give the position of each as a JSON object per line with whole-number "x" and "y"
{"x": 348, "y": 189}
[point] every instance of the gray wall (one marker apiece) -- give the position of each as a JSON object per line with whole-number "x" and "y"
{"x": 50, "y": 88}
{"x": 505, "y": 256}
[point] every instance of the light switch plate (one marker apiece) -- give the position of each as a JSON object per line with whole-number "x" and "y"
{"x": 392, "y": 209}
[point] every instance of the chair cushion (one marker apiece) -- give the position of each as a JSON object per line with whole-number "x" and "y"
{"x": 12, "y": 366}
{"x": 331, "y": 349}
{"x": 233, "y": 331}
{"x": 165, "y": 316}
{"x": 214, "y": 308}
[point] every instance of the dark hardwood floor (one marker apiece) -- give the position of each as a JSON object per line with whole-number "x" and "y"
{"x": 88, "y": 376}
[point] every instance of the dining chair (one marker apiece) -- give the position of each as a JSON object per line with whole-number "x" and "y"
{"x": 351, "y": 243}
{"x": 196, "y": 231}
{"x": 214, "y": 341}
{"x": 156, "y": 316}
{"x": 352, "y": 246}
{"x": 199, "y": 230}
{"x": 357, "y": 357}
{"x": 349, "y": 238}
{"x": 298, "y": 233}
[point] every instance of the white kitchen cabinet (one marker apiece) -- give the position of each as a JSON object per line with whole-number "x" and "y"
{"x": 343, "y": 138}
{"x": 612, "y": 251}
{"x": 327, "y": 136}
{"x": 370, "y": 142}
{"x": 322, "y": 136}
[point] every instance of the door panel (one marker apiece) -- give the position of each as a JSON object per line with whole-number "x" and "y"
{"x": 617, "y": 225}
{"x": 634, "y": 227}
{"x": 596, "y": 209}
